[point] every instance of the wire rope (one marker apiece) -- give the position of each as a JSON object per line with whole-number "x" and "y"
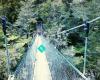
{"x": 93, "y": 20}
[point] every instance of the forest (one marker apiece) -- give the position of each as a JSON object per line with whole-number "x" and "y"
{"x": 59, "y": 17}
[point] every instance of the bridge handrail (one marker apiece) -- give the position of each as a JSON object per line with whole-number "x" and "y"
{"x": 79, "y": 72}
{"x": 79, "y": 26}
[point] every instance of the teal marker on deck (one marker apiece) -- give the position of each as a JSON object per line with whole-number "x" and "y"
{"x": 41, "y": 48}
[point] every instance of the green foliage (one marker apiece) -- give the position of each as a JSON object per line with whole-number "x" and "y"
{"x": 55, "y": 14}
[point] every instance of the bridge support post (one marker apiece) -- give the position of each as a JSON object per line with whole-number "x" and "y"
{"x": 86, "y": 29}
{"x": 85, "y": 54}
{"x": 6, "y": 42}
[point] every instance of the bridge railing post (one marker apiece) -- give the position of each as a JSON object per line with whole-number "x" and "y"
{"x": 86, "y": 29}
{"x": 6, "y": 42}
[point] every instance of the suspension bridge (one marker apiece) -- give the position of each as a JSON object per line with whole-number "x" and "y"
{"x": 43, "y": 61}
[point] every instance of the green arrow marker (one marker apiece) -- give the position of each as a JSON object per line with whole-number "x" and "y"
{"x": 41, "y": 48}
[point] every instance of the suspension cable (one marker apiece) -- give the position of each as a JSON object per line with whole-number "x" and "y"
{"x": 80, "y": 73}
{"x": 94, "y": 19}
{"x": 79, "y": 25}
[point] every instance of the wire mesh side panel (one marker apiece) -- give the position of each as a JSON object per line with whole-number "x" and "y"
{"x": 60, "y": 68}
{"x": 25, "y": 70}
